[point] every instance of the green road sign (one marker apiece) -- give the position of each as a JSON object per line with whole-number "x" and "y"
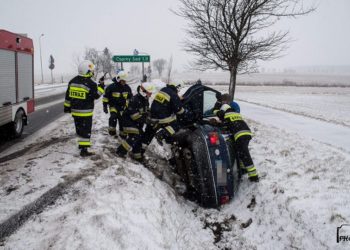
{"x": 144, "y": 58}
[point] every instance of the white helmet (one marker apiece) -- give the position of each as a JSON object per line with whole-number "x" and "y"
{"x": 122, "y": 75}
{"x": 225, "y": 107}
{"x": 146, "y": 89}
{"x": 86, "y": 68}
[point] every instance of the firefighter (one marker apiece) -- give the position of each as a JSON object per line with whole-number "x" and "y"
{"x": 134, "y": 119}
{"x": 240, "y": 136}
{"x": 164, "y": 109}
{"x": 116, "y": 98}
{"x": 80, "y": 96}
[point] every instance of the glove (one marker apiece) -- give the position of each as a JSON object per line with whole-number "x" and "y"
{"x": 217, "y": 105}
{"x": 102, "y": 80}
{"x": 105, "y": 109}
{"x": 143, "y": 118}
{"x": 221, "y": 114}
{"x": 151, "y": 122}
{"x": 67, "y": 110}
{"x": 160, "y": 136}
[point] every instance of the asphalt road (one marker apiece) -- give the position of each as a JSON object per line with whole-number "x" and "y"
{"x": 44, "y": 115}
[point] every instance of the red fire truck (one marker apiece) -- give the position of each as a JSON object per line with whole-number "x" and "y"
{"x": 16, "y": 81}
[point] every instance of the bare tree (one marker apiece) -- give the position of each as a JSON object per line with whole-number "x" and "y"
{"x": 170, "y": 67}
{"x": 159, "y": 65}
{"x": 106, "y": 62}
{"x": 233, "y": 34}
{"x": 51, "y": 67}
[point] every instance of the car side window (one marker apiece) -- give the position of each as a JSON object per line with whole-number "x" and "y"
{"x": 209, "y": 100}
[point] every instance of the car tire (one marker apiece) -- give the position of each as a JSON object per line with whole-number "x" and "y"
{"x": 18, "y": 124}
{"x": 202, "y": 172}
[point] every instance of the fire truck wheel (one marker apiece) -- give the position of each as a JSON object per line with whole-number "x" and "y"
{"x": 18, "y": 124}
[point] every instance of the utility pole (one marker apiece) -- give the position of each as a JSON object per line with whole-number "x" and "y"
{"x": 41, "y": 59}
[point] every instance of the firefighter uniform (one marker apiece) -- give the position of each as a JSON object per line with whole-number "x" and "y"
{"x": 114, "y": 98}
{"x": 134, "y": 119}
{"x": 240, "y": 135}
{"x": 164, "y": 109}
{"x": 79, "y": 101}
{"x": 127, "y": 94}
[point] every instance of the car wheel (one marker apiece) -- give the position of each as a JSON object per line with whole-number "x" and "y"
{"x": 203, "y": 175}
{"x": 18, "y": 124}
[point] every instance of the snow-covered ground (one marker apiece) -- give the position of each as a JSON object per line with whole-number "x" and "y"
{"x": 44, "y": 90}
{"x": 112, "y": 203}
{"x": 218, "y": 77}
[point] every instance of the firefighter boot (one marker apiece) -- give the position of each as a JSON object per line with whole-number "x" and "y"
{"x": 254, "y": 178}
{"x": 84, "y": 152}
{"x": 121, "y": 152}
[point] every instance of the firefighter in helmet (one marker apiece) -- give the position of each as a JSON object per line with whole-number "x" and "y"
{"x": 134, "y": 118}
{"x": 116, "y": 97}
{"x": 80, "y": 96}
{"x": 165, "y": 108}
{"x": 240, "y": 136}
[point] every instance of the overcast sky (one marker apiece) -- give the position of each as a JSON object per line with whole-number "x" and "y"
{"x": 322, "y": 38}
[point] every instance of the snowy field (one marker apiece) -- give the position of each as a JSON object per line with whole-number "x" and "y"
{"x": 329, "y": 104}
{"x": 266, "y": 78}
{"x": 109, "y": 203}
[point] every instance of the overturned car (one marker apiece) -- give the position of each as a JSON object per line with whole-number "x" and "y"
{"x": 205, "y": 158}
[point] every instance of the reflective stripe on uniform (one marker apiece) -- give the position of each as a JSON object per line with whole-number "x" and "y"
{"x": 82, "y": 113}
{"x": 125, "y": 94}
{"x": 167, "y": 119}
{"x": 113, "y": 110}
{"x": 233, "y": 116}
{"x": 136, "y": 116}
{"x": 131, "y": 130}
{"x": 112, "y": 129}
{"x": 84, "y": 142}
{"x": 161, "y": 97}
{"x": 137, "y": 155}
{"x": 105, "y": 99}
{"x": 170, "y": 130}
{"x": 67, "y": 103}
{"x": 77, "y": 86}
{"x": 181, "y": 111}
{"x": 126, "y": 145}
{"x": 116, "y": 94}
{"x": 251, "y": 171}
{"x": 100, "y": 90}
{"x": 241, "y": 133}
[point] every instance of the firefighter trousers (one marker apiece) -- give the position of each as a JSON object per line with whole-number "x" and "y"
{"x": 114, "y": 119}
{"x": 164, "y": 131}
{"x": 244, "y": 156}
{"x": 133, "y": 143}
{"x": 83, "y": 127}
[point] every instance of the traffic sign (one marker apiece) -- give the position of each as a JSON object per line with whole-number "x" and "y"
{"x": 127, "y": 58}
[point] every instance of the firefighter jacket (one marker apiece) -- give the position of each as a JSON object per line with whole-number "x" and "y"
{"x": 114, "y": 97}
{"x": 127, "y": 93}
{"x": 166, "y": 105}
{"x": 235, "y": 124}
{"x": 135, "y": 114}
{"x": 80, "y": 96}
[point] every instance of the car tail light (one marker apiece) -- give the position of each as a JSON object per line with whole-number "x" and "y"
{"x": 224, "y": 199}
{"x": 214, "y": 138}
